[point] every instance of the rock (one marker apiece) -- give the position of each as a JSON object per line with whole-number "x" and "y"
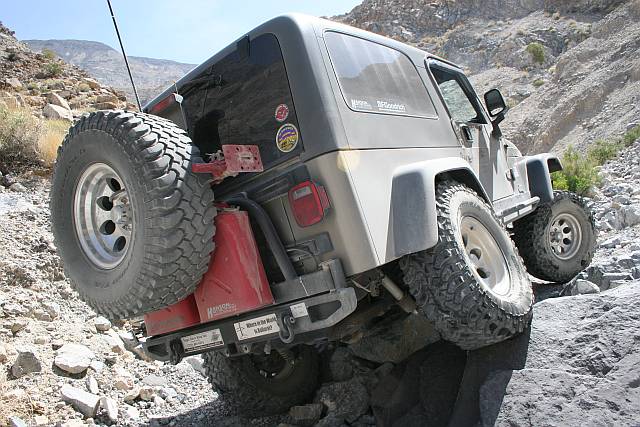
{"x": 340, "y": 364}
{"x": 56, "y": 112}
{"x": 611, "y": 242}
{"x": 168, "y": 393}
{"x": 3, "y": 353}
{"x": 55, "y": 99}
{"x": 73, "y": 358}
{"x": 18, "y": 188}
{"x": 347, "y": 400}
{"x": 86, "y": 403}
{"x": 92, "y": 384}
{"x": 52, "y": 308}
{"x": 630, "y": 215}
{"x": 114, "y": 342}
{"x": 93, "y": 84}
{"x": 111, "y": 408}
{"x": 107, "y": 98}
{"x": 41, "y": 420}
{"x": 392, "y": 340}
{"x": 102, "y": 324}
{"x": 19, "y": 324}
{"x": 132, "y": 394}
{"x": 158, "y": 401}
{"x": 306, "y": 415}
{"x": 195, "y": 362}
{"x": 13, "y": 83}
{"x": 105, "y": 106}
{"x": 154, "y": 380}
{"x": 131, "y": 412}
{"x": 581, "y": 286}
{"x": 97, "y": 365}
{"x": 134, "y": 346}
{"x": 147, "y": 393}
{"x": 578, "y": 365}
{"x": 15, "y": 421}
{"x": 26, "y": 363}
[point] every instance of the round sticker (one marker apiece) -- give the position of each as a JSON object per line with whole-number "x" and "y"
{"x": 282, "y": 112}
{"x": 287, "y": 138}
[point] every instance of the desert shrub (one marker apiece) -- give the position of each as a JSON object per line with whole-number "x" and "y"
{"x": 51, "y": 138}
{"x": 53, "y": 69}
{"x": 536, "y": 50}
{"x": 631, "y": 136}
{"x": 20, "y": 134}
{"x": 538, "y": 82}
{"x": 601, "y": 151}
{"x": 49, "y": 54}
{"x": 12, "y": 57}
{"x": 83, "y": 87}
{"x": 579, "y": 173}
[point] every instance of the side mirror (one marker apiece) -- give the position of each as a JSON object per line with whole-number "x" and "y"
{"x": 497, "y": 109}
{"x": 495, "y": 102}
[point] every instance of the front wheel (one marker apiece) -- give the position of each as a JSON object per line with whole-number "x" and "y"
{"x": 472, "y": 284}
{"x": 558, "y": 240}
{"x": 264, "y": 384}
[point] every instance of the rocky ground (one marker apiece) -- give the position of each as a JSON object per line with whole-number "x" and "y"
{"x": 62, "y": 364}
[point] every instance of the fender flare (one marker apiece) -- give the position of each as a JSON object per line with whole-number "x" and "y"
{"x": 539, "y": 169}
{"x": 413, "y": 217}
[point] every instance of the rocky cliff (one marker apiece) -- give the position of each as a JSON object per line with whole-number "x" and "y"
{"x": 570, "y": 70}
{"x": 106, "y": 65}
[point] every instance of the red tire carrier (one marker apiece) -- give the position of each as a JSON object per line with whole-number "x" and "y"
{"x": 235, "y": 309}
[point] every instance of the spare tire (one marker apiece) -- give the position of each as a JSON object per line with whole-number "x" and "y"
{"x": 133, "y": 225}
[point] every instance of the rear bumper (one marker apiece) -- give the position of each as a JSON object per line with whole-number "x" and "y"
{"x": 305, "y": 310}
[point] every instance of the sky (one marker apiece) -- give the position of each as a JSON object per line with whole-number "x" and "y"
{"x": 182, "y": 30}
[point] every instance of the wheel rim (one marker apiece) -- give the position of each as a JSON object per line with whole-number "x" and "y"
{"x": 274, "y": 366}
{"x": 103, "y": 216}
{"x": 565, "y": 236}
{"x": 485, "y": 257}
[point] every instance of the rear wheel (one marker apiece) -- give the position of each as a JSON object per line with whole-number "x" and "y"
{"x": 557, "y": 241}
{"x": 472, "y": 283}
{"x": 132, "y": 224}
{"x": 264, "y": 384}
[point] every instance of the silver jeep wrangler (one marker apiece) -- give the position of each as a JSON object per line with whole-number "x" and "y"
{"x": 382, "y": 186}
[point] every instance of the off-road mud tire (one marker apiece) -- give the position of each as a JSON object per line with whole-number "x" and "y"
{"x": 531, "y": 235}
{"x": 173, "y": 209}
{"x": 447, "y": 291}
{"x": 242, "y": 388}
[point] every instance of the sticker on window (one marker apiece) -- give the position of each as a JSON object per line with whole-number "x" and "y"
{"x": 287, "y": 138}
{"x": 252, "y": 328}
{"x": 392, "y": 107}
{"x": 282, "y": 112}
{"x": 208, "y": 339}
{"x": 360, "y": 104}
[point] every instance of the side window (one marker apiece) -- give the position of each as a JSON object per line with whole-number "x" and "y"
{"x": 376, "y": 78}
{"x": 244, "y": 98}
{"x": 462, "y": 107}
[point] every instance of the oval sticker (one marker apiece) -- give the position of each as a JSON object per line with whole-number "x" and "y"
{"x": 282, "y": 112}
{"x": 287, "y": 138}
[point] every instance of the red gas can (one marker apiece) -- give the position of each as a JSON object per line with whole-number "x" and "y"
{"x": 236, "y": 281}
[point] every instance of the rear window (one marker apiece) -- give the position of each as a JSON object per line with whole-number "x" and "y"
{"x": 244, "y": 98}
{"x": 376, "y": 78}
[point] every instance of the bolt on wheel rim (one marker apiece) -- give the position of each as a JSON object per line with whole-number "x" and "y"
{"x": 565, "y": 236}
{"x": 103, "y": 216}
{"x": 486, "y": 258}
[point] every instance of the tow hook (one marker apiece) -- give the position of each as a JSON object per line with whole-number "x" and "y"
{"x": 286, "y": 322}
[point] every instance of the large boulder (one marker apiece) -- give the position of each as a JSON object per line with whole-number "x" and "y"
{"x": 73, "y": 358}
{"x": 578, "y": 366}
{"x": 56, "y": 112}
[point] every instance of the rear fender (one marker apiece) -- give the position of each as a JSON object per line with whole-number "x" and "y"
{"x": 413, "y": 218}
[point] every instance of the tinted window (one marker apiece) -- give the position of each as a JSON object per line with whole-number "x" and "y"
{"x": 376, "y": 78}
{"x": 235, "y": 100}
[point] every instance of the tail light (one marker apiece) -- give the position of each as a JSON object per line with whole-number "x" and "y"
{"x": 308, "y": 202}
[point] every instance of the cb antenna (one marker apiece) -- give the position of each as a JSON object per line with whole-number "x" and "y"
{"x": 126, "y": 62}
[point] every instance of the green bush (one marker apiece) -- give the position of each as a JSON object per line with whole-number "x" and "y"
{"x": 53, "y": 69}
{"x": 536, "y": 50}
{"x": 631, "y": 136}
{"x": 579, "y": 173}
{"x": 601, "y": 151}
{"x": 49, "y": 54}
{"x": 538, "y": 82}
